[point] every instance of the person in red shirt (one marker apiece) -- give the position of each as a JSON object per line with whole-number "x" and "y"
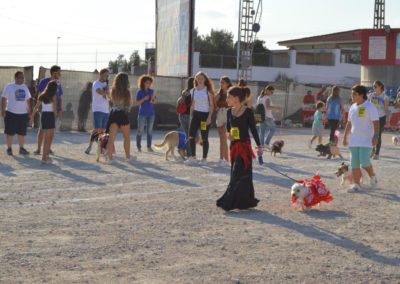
{"x": 309, "y": 98}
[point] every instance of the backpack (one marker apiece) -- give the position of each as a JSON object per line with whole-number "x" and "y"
{"x": 181, "y": 107}
{"x": 259, "y": 113}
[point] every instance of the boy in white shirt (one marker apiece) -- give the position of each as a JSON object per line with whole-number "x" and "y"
{"x": 16, "y": 111}
{"x": 361, "y": 134}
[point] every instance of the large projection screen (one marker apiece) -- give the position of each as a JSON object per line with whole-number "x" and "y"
{"x": 174, "y": 24}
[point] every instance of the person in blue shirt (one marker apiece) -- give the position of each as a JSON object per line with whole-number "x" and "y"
{"x": 55, "y": 74}
{"x": 334, "y": 110}
{"x": 145, "y": 99}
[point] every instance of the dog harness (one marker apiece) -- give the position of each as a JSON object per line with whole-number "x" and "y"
{"x": 316, "y": 192}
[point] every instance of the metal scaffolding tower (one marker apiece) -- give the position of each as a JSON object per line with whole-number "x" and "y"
{"x": 249, "y": 20}
{"x": 379, "y": 14}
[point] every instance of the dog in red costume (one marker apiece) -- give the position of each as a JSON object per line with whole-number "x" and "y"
{"x": 308, "y": 193}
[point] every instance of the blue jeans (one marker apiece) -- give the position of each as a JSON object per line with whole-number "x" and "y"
{"x": 269, "y": 127}
{"x": 100, "y": 120}
{"x": 148, "y": 121}
{"x": 184, "y": 120}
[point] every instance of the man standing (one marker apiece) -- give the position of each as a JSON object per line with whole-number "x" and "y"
{"x": 100, "y": 105}
{"x": 16, "y": 111}
{"x": 55, "y": 74}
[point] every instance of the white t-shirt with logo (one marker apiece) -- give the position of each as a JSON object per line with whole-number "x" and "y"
{"x": 17, "y": 97}
{"x": 379, "y": 102}
{"x": 362, "y": 127}
{"x": 99, "y": 103}
{"x": 263, "y": 100}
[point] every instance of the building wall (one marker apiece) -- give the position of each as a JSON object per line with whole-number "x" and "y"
{"x": 340, "y": 73}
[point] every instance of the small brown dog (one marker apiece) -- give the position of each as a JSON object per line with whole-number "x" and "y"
{"x": 277, "y": 147}
{"x": 175, "y": 139}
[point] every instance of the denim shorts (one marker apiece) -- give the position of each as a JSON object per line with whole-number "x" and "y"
{"x": 100, "y": 120}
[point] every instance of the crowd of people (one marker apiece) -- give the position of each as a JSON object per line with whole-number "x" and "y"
{"x": 235, "y": 119}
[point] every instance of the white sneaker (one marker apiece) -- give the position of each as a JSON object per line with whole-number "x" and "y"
{"x": 203, "y": 162}
{"x": 191, "y": 162}
{"x": 48, "y": 161}
{"x": 131, "y": 159}
{"x": 110, "y": 162}
{"x": 354, "y": 188}
{"x": 374, "y": 181}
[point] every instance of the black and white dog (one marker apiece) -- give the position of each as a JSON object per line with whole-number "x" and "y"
{"x": 101, "y": 139}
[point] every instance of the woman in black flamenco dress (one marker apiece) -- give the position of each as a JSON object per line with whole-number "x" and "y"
{"x": 240, "y": 191}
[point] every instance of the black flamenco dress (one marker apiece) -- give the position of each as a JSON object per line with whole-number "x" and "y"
{"x": 240, "y": 191}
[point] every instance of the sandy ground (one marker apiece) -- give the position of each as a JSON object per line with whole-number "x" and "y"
{"x": 156, "y": 222}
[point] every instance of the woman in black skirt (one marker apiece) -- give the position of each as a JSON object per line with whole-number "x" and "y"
{"x": 240, "y": 191}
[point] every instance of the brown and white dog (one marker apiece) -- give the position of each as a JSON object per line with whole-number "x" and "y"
{"x": 175, "y": 139}
{"x": 345, "y": 173}
{"x": 101, "y": 139}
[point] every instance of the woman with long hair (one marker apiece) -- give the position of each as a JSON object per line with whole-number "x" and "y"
{"x": 121, "y": 103}
{"x": 240, "y": 191}
{"x": 47, "y": 101}
{"x": 381, "y": 102}
{"x": 201, "y": 111}
{"x": 334, "y": 111}
{"x": 268, "y": 126}
{"x": 184, "y": 118}
{"x": 221, "y": 105}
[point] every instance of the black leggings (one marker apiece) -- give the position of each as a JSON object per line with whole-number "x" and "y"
{"x": 195, "y": 125}
{"x": 382, "y": 122}
{"x": 334, "y": 125}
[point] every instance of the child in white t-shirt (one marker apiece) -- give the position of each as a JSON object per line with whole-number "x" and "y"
{"x": 361, "y": 134}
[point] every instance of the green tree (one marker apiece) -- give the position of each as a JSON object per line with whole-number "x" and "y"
{"x": 135, "y": 59}
{"x": 217, "y": 42}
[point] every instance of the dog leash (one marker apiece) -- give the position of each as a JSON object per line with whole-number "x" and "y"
{"x": 285, "y": 175}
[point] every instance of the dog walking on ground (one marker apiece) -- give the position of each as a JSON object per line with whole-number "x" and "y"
{"x": 101, "y": 139}
{"x": 277, "y": 147}
{"x": 328, "y": 150}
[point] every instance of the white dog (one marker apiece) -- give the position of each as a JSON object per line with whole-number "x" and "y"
{"x": 309, "y": 193}
{"x": 396, "y": 140}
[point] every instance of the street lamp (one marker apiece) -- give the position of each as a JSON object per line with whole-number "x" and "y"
{"x": 58, "y": 38}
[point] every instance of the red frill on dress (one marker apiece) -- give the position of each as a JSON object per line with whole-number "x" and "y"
{"x": 316, "y": 192}
{"x": 244, "y": 150}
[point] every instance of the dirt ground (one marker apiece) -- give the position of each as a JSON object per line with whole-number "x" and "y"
{"x": 156, "y": 222}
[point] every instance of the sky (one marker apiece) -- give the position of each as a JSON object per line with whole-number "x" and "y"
{"x": 92, "y": 32}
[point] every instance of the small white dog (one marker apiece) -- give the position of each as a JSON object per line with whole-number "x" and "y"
{"x": 298, "y": 191}
{"x": 309, "y": 193}
{"x": 101, "y": 139}
{"x": 396, "y": 140}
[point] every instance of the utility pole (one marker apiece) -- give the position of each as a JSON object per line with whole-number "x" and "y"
{"x": 58, "y": 38}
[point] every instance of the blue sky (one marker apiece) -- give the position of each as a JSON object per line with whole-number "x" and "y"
{"x": 29, "y": 34}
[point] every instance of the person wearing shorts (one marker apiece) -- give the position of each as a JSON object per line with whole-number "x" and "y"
{"x": 47, "y": 102}
{"x": 15, "y": 109}
{"x": 100, "y": 105}
{"x": 361, "y": 134}
{"x": 121, "y": 100}
{"x": 318, "y": 126}
{"x": 55, "y": 75}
